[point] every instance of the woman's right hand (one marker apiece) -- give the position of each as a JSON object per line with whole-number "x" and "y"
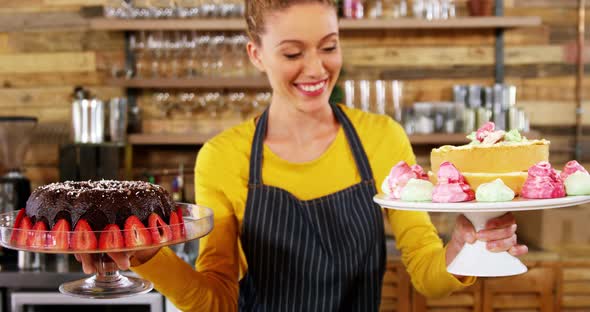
{"x": 121, "y": 259}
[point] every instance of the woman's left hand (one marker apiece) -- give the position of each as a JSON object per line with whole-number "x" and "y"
{"x": 499, "y": 235}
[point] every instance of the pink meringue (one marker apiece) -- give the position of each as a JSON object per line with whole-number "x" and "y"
{"x": 571, "y": 167}
{"x": 484, "y": 130}
{"x": 543, "y": 182}
{"x": 451, "y": 186}
{"x": 399, "y": 176}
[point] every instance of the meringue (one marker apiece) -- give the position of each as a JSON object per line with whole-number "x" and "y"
{"x": 417, "y": 190}
{"x": 578, "y": 183}
{"x": 495, "y": 191}
{"x": 543, "y": 182}
{"x": 571, "y": 167}
{"x": 399, "y": 176}
{"x": 451, "y": 186}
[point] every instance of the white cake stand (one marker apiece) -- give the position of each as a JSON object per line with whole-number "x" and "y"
{"x": 475, "y": 259}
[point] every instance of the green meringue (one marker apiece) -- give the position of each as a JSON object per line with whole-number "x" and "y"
{"x": 417, "y": 190}
{"x": 513, "y": 136}
{"x": 578, "y": 183}
{"x": 495, "y": 191}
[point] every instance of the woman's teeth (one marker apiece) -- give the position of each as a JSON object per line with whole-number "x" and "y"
{"x": 312, "y": 88}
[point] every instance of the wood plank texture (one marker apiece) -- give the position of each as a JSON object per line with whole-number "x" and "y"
{"x": 451, "y": 56}
{"x": 59, "y": 20}
{"x": 345, "y": 24}
{"x": 47, "y": 62}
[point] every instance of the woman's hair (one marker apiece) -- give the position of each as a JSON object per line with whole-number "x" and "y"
{"x": 257, "y": 9}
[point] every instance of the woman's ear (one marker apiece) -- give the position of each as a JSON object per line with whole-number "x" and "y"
{"x": 254, "y": 55}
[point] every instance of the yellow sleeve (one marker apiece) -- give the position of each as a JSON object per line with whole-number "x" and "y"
{"x": 213, "y": 286}
{"x": 422, "y": 250}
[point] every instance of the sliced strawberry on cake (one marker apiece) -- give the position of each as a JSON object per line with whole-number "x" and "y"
{"x": 16, "y": 225}
{"x": 135, "y": 233}
{"x": 59, "y": 237}
{"x": 20, "y": 234}
{"x": 159, "y": 230}
{"x": 111, "y": 238}
{"x": 83, "y": 237}
{"x": 177, "y": 224}
{"x": 38, "y": 235}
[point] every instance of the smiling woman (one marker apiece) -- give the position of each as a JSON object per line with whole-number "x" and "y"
{"x": 302, "y": 63}
{"x": 292, "y": 191}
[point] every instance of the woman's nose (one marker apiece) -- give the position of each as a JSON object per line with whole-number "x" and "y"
{"x": 314, "y": 66}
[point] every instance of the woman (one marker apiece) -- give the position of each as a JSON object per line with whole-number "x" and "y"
{"x": 295, "y": 225}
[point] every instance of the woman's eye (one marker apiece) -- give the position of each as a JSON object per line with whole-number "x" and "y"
{"x": 292, "y": 55}
{"x": 329, "y": 49}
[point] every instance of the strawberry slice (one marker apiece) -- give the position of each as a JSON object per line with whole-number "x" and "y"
{"x": 177, "y": 224}
{"x": 19, "y": 218}
{"x": 83, "y": 237}
{"x": 59, "y": 237}
{"x": 16, "y": 225}
{"x": 111, "y": 238}
{"x": 135, "y": 233}
{"x": 38, "y": 236}
{"x": 159, "y": 230}
{"x": 19, "y": 236}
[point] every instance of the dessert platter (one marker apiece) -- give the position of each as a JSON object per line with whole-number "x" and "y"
{"x": 498, "y": 172}
{"x": 101, "y": 217}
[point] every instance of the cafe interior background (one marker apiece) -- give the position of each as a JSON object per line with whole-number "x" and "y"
{"x": 132, "y": 89}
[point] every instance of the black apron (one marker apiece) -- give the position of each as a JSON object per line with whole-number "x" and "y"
{"x": 325, "y": 254}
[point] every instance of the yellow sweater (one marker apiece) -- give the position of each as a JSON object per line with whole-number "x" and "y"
{"x": 221, "y": 177}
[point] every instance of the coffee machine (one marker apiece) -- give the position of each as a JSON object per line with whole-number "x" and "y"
{"x": 15, "y": 135}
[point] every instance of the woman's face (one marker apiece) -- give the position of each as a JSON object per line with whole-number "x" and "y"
{"x": 300, "y": 53}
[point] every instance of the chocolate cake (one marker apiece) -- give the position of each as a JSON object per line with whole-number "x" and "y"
{"x": 98, "y": 202}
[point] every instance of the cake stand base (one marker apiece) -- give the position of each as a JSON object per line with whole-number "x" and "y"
{"x": 476, "y": 260}
{"x": 107, "y": 283}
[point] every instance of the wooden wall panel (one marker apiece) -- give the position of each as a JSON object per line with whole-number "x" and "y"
{"x": 40, "y": 65}
{"x": 49, "y": 97}
{"x": 61, "y": 41}
{"x": 32, "y": 80}
{"x": 47, "y": 62}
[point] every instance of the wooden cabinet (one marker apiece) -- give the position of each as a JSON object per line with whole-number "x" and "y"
{"x": 573, "y": 291}
{"x": 547, "y": 286}
{"x": 533, "y": 291}
{"x": 467, "y": 300}
{"x": 396, "y": 288}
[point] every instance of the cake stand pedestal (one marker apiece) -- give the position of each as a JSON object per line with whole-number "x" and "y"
{"x": 475, "y": 259}
{"x": 107, "y": 283}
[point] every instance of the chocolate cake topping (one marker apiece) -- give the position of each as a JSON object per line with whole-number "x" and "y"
{"x": 98, "y": 202}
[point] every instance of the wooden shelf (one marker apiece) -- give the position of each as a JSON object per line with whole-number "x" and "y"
{"x": 461, "y": 22}
{"x": 195, "y": 83}
{"x": 439, "y": 139}
{"x": 197, "y": 138}
{"x": 200, "y": 138}
{"x": 490, "y": 22}
{"x": 169, "y": 139}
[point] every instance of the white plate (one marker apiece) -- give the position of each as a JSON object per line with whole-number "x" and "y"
{"x": 517, "y": 204}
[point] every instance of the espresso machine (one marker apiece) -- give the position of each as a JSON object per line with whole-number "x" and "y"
{"x": 15, "y": 135}
{"x": 15, "y": 188}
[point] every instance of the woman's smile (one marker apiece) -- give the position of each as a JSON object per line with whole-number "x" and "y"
{"x": 312, "y": 89}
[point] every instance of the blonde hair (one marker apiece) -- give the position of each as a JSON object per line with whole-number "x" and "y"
{"x": 256, "y": 10}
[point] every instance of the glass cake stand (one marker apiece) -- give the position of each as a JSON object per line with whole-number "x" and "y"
{"x": 107, "y": 283}
{"x": 475, "y": 259}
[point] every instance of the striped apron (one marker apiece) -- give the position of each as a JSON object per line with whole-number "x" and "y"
{"x": 324, "y": 254}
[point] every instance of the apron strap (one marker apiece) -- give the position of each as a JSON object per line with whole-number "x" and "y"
{"x": 257, "y": 150}
{"x": 360, "y": 157}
